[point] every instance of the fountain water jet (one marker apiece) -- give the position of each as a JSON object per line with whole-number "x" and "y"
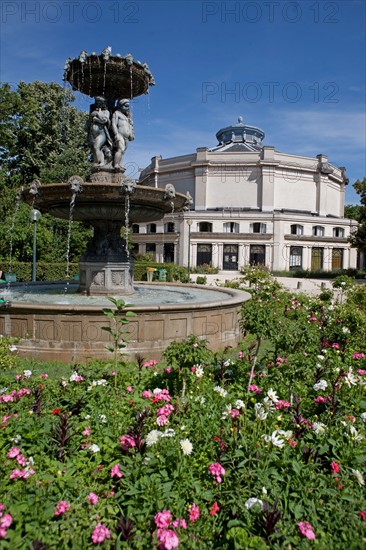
{"x": 108, "y": 201}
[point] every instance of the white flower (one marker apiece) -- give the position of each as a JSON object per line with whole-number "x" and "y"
{"x": 358, "y": 476}
{"x": 272, "y": 395}
{"x": 200, "y": 399}
{"x": 157, "y": 390}
{"x": 152, "y": 437}
{"x": 267, "y": 403}
{"x": 3, "y": 390}
{"x": 199, "y": 371}
{"x": 27, "y": 373}
{"x": 13, "y": 348}
{"x": 228, "y": 362}
{"x": 226, "y": 412}
{"x": 274, "y": 439}
{"x": 239, "y": 404}
{"x": 17, "y": 438}
{"x": 286, "y": 434}
{"x": 345, "y": 330}
{"x": 103, "y": 418}
{"x": 169, "y": 432}
{"x": 102, "y": 382}
{"x": 363, "y": 417}
{"x": 264, "y": 491}
{"x": 221, "y": 391}
{"x": 94, "y": 448}
{"x": 260, "y": 412}
{"x": 321, "y": 357}
{"x": 74, "y": 376}
{"x": 319, "y": 428}
{"x": 319, "y": 366}
{"x": 87, "y": 416}
{"x": 321, "y": 385}
{"x": 353, "y": 434}
{"x": 252, "y": 501}
{"x": 350, "y": 378}
{"x": 186, "y": 446}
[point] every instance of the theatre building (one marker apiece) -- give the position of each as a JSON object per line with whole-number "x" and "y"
{"x": 251, "y": 204}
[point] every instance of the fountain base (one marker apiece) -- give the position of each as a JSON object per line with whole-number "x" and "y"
{"x": 106, "y": 278}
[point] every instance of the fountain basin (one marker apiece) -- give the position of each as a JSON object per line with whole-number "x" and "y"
{"x": 72, "y": 333}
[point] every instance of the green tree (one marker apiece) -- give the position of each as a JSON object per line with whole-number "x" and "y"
{"x": 358, "y": 239}
{"x": 42, "y": 135}
{"x": 352, "y": 211}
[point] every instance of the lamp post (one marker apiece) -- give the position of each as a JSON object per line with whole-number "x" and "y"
{"x": 189, "y": 222}
{"x": 35, "y": 216}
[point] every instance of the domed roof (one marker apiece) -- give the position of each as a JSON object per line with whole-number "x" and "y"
{"x": 239, "y": 137}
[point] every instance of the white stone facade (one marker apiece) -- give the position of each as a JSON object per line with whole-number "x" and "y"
{"x": 251, "y": 205}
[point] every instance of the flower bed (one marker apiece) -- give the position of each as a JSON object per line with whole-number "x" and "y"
{"x": 229, "y": 450}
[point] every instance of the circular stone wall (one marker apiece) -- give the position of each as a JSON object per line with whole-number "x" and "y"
{"x": 73, "y": 333}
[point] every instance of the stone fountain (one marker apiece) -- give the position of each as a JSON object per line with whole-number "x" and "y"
{"x": 110, "y": 200}
{"x": 69, "y": 327}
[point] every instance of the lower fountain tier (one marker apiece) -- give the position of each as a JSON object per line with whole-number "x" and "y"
{"x": 105, "y": 201}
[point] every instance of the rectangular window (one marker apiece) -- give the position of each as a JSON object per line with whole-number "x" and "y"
{"x": 295, "y": 257}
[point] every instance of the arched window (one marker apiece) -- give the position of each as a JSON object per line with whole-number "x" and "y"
{"x": 297, "y": 229}
{"x": 338, "y": 232}
{"x": 318, "y": 231}
{"x": 258, "y": 227}
{"x": 151, "y": 228}
{"x": 205, "y": 227}
{"x": 295, "y": 257}
{"x": 231, "y": 227}
{"x": 169, "y": 227}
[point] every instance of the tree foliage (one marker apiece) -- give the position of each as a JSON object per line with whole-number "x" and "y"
{"x": 42, "y": 135}
{"x": 358, "y": 239}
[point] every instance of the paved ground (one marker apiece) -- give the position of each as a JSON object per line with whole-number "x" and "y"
{"x": 311, "y": 286}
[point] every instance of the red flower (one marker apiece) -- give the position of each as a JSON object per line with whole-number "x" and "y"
{"x": 56, "y": 411}
{"x": 335, "y": 467}
{"x": 214, "y": 509}
{"x": 362, "y": 515}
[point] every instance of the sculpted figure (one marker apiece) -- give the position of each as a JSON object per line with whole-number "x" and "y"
{"x": 122, "y": 130}
{"x": 99, "y": 137}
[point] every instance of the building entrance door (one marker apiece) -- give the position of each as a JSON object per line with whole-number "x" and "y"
{"x": 257, "y": 255}
{"x": 230, "y": 260}
{"x": 204, "y": 254}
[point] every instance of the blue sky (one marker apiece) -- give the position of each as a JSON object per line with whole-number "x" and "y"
{"x": 295, "y": 69}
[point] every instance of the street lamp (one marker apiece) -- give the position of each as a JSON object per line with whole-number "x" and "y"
{"x": 189, "y": 222}
{"x": 35, "y": 216}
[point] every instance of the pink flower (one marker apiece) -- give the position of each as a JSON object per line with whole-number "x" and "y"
{"x": 129, "y": 389}
{"x": 254, "y": 389}
{"x": 13, "y": 452}
{"x": 362, "y": 515}
{"x": 18, "y": 376}
{"x": 116, "y": 472}
{"x": 100, "y": 533}
{"x": 322, "y": 399}
{"x": 217, "y": 470}
{"x": 335, "y": 467}
{"x": 162, "y": 395}
{"x": 163, "y": 519}
{"x": 280, "y": 404}
{"x": 127, "y": 442}
{"x": 21, "y": 460}
{"x": 161, "y": 420}
{"x": 292, "y": 443}
{"x": 357, "y": 355}
{"x": 167, "y": 539}
{"x": 87, "y": 431}
{"x": 335, "y": 345}
{"x": 16, "y": 473}
{"x": 194, "y": 512}
{"x": 166, "y": 410}
{"x": 179, "y": 523}
{"x": 234, "y": 413}
{"x": 61, "y": 507}
{"x": 43, "y": 375}
{"x": 361, "y": 372}
{"x": 306, "y": 530}
{"x": 168, "y": 370}
{"x": 193, "y": 369}
{"x": 146, "y": 394}
{"x": 92, "y": 498}
{"x": 214, "y": 509}
{"x": 6, "y": 521}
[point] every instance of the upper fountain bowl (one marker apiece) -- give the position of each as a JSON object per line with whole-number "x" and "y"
{"x": 107, "y": 75}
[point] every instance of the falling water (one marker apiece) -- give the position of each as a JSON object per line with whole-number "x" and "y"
{"x": 127, "y": 222}
{"x": 90, "y": 79}
{"x": 72, "y": 204}
{"x": 104, "y": 75}
{"x": 11, "y": 230}
{"x": 131, "y": 84}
